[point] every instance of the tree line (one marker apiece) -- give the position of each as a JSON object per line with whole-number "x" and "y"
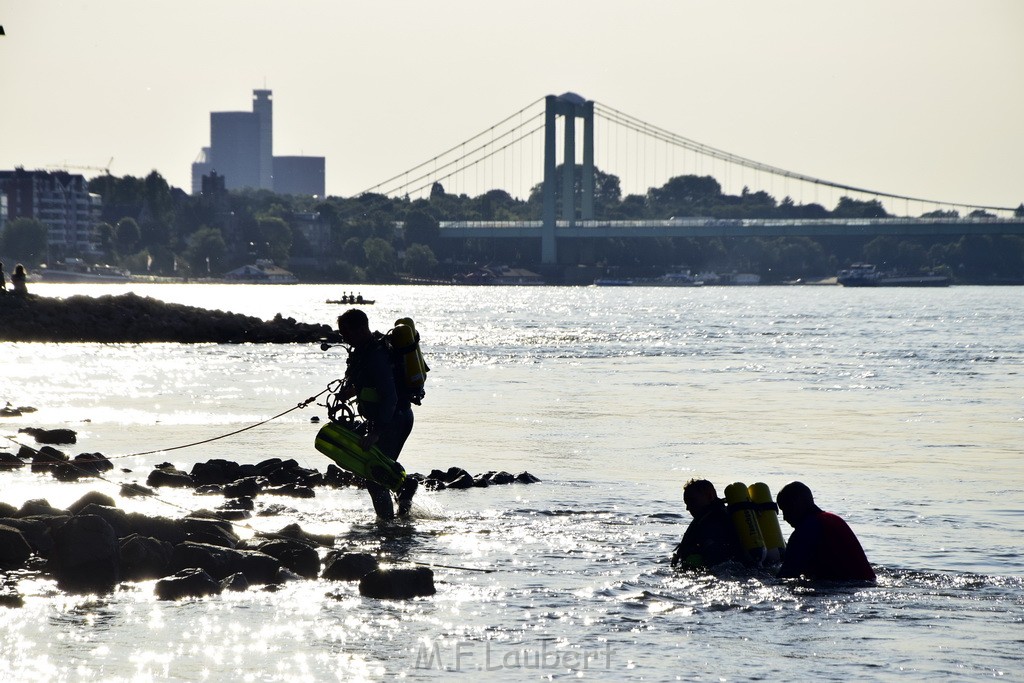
{"x": 149, "y": 226}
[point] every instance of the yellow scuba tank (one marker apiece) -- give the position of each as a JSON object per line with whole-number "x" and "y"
{"x": 405, "y": 343}
{"x": 768, "y": 520}
{"x": 745, "y": 521}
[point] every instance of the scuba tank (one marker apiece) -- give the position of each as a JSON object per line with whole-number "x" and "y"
{"x": 768, "y": 520}
{"x": 405, "y": 346}
{"x": 742, "y": 512}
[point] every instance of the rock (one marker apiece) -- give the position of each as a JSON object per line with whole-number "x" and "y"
{"x": 168, "y": 475}
{"x": 9, "y": 461}
{"x": 463, "y": 481}
{"x": 348, "y": 566}
{"x": 526, "y": 478}
{"x": 398, "y": 584}
{"x": 161, "y": 528}
{"x": 14, "y": 549}
{"x": 94, "y": 463}
{"x": 39, "y": 506}
{"x": 35, "y": 531}
{"x": 51, "y": 436}
{"x": 200, "y": 527}
{"x": 298, "y": 533}
{"x": 217, "y": 471}
{"x": 7, "y": 510}
{"x": 246, "y": 486}
{"x": 136, "y": 491}
{"x": 90, "y": 498}
{"x": 116, "y": 518}
{"x": 130, "y": 318}
{"x": 502, "y": 478}
{"x": 188, "y": 583}
{"x": 294, "y": 555}
{"x": 45, "y": 458}
{"x": 85, "y": 557}
{"x": 236, "y": 582}
{"x": 291, "y": 490}
{"x": 221, "y": 562}
{"x": 143, "y": 558}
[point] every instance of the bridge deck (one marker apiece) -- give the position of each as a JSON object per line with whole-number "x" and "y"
{"x": 746, "y": 227}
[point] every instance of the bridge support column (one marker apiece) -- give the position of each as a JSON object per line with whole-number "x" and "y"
{"x": 570, "y": 106}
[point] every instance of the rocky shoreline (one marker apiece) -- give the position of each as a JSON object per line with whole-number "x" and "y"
{"x": 92, "y": 546}
{"x": 130, "y": 318}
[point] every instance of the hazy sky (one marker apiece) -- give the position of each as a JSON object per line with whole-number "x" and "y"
{"x": 917, "y": 97}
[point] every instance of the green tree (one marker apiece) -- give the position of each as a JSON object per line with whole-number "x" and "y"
{"x": 853, "y": 208}
{"x": 25, "y": 240}
{"x": 419, "y": 260}
{"x": 380, "y": 259}
{"x": 420, "y": 228}
{"x": 275, "y": 239}
{"x": 205, "y": 253}
{"x": 128, "y": 236}
{"x": 107, "y": 241}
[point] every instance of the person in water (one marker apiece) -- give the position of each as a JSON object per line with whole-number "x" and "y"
{"x": 711, "y": 537}
{"x": 3, "y": 280}
{"x": 822, "y": 545}
{"x": 381, "y": 400}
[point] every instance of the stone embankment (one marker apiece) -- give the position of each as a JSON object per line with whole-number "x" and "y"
{"x": 130, "y": 318}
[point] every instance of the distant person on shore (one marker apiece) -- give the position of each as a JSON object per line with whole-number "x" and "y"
{"x": 822, "y": 545}
{"x": 18, "y": 279}
{"x": 711, "y": 537}
{"x": 382, "y": 400}
{"x": 3, "y": 280}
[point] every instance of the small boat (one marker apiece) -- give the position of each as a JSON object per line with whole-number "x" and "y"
{"x": 352, "y": 301}
{"x": 76, "y": 270}
{"x": 867, "y": 275}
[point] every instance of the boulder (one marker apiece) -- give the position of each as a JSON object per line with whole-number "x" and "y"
{"x": 162, "y": 528}
{"x": 14, "y": 549}
{"x": 526, "y": 478}
{"x": 51, "y": 436}
{"x": 246, "y": 486}
{"x": 40, "y": 507}
{"x": 9, "y": 461}
{"x": 168, "y": 475}
{"x": 90, "y": 498}
{"x": 296, "y": 556}
{"x": 115, "y": 517}
{"x": 143, "y": 558}
{"x": 136, "y": 491}
{"x": 398, "y": 584}
{"x": 348, "y": 566}
{"x": 45, "y": 458}
{"x": 188, "y": 583}
{"x": 202, "y": 527}
{"x": 85, "y": 556}
{"x": 221, "y": 563}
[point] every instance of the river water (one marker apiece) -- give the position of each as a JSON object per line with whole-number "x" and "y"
{"x": 903, "y": 409}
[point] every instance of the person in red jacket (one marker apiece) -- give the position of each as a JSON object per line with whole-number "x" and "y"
{"x": 822, "y": 546}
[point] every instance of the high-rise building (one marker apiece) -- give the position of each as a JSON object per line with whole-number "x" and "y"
{"x": 59, "y": 200}
{"x": 241, "y": 151}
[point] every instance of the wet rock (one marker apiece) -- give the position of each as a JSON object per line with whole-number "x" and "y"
{"x": 526, "y": 478}
{"x": 50, "y": 436}
{"x": 294, "y": 555}
{"x": 210, "y": 490}
{"x": 136, "y": 491}
{"x": 14, "y": 549}
{"x": 45, "y": 458}
{"x": 236, "y": 582}
{"x": 218, "y": 471}
{"x": 85, "y": 557}
{"x": 35, "y": 531}
{"x": 40, "y": 507}
{"x": 464, "y": 481}
{"x": 299, "y": 534}
{"x": 143, "y": 558}
{"x": 90, "y": 498}
{"x": 10, "y": 598}
{"x": 162, "y": 528}
{"x": 221, "y": 563}
{"x": 291, "y": 490}
{"x": 202, "y": 527}
{"x": 9, "y": 461}
{"x": 340, "y": 566}
{"x": 168, "y": 475}
{"x": 501, "y": 478}
{"x": 7, "y": 510}
{"x": 94, "y": 463}
{"x": 481, "y": 481}
{"x": 246, "y": 486}
{"x": 116, "y": 518}
{"x": 187, "y": 583}
{"x": 340, "y": 478}
{"x": 398, "y": 584}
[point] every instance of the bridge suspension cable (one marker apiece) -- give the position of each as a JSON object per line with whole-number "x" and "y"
{"x": 404, "y": 186}
{"x": 643, "y": 128}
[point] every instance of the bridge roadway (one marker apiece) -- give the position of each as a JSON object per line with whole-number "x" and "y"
{"x": 746, "y": 227}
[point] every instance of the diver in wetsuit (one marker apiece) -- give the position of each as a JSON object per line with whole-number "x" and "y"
{"x": 711, "y": 537}
{"x": 822, "y": 545}
{"x": 380, "y": 400}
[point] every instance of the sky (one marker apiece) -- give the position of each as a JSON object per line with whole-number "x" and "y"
{"x": 917, "y": 97}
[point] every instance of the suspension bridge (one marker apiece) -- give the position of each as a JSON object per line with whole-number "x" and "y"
{"x": 521, "y": 156}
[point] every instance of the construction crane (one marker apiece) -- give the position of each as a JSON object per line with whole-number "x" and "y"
{"x": 68, "y": 167}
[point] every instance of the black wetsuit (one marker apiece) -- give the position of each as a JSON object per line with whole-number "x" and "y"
{"x": 387, "y": 410}
{"x": 823, "y": 546}
{"x": 710, "y": 539}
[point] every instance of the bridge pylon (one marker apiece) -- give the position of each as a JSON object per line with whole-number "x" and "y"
{"x": 570, "y": 106}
